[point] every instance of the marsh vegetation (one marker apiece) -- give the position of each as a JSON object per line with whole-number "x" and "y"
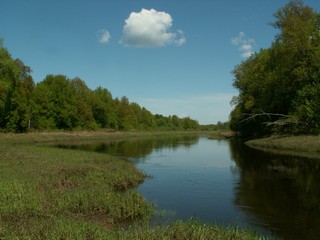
{"x": 52, "y": 193}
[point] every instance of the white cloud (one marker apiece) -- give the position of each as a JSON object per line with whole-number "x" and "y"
{"x": 246, "y": 54}
{"x": 180, "y": 38}
{"x": 238, "y": 40}
{"x": 246, "y": 47}
{"x": 244, "y": 44}
{"x": 103, "y": 36}
{"x": 206, "y": 109}
{"x": 150, "y": 28}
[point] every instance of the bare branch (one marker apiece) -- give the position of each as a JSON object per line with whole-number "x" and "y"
{"x": 284, "y": 119}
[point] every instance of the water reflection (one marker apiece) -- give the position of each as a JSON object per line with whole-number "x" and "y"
{"x": 136, "y": 148}
{"x": 281, "y": 192}
{"x": 226, "y": 182}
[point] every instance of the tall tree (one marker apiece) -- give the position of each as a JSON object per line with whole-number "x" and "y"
{"x": 56, "y": 103}
{"x": 271, "y": 80}
{"x": 16, "y": 86}
{"x": 146, "y": 120}
{"x": 103, "y": 107}
{"x": 83, "y": 97}
{"x": 126, "y": 117}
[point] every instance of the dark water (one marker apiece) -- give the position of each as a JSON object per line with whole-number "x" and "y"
{"x": 226, "y": 182}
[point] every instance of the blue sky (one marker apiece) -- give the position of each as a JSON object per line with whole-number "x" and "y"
{"x": 170, "y": 56}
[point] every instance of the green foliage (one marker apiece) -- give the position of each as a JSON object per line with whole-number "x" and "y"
{"x": 126, "y": 115}
{"x": 278, "y": 80}
{"x": 146, "y": 119}
{"x": 219, "y": 126}
{"x": 308, "y": 108}
{"x": 175, "y": 123}
{"x": 103, "y": 108}
{"x": 19, "y": 111}
{"x": 16, "y": 86}
{"x": 83, "y": 96}
{"x": 58, "y": 102}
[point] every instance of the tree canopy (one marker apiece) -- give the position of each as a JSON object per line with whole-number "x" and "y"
{"x": 58, "y": 102}
{"x": 279, "y": 87}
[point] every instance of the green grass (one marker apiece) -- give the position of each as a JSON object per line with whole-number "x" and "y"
{"x": 52, "y": 193}
{"x": 185, "y": 230}
{"x": 224, "y": 134}
{"x": 303, "y": 146}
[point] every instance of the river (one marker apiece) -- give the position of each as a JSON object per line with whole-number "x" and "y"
{"x": 225, "y": 182}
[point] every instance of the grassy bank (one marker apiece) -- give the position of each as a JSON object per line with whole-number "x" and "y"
{"x": 48, "y": 193}
{"x": 303, "y": 146}
{"x": 220, "y": 134}
{"x": 51, "y": 193}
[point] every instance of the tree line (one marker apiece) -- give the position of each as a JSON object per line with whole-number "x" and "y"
{"x": 58, "y": 102}
{"x": 279, "y": 87}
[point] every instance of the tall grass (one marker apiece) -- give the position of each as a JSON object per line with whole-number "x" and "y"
{"x": 185, "y": 230}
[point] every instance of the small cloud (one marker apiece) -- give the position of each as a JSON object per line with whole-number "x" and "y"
{"x": 246, "y": 47}
{"x": 103, "y": 36}
{"x": 246, "y": 54}
{"x": 244, "y": 44}
{"x": 150, "y": 28}
{"x": 180, "y": 39}
{"x": 237, "y": 40}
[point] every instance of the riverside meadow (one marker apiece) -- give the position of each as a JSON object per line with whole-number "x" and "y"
{"x": 51, "y": 193}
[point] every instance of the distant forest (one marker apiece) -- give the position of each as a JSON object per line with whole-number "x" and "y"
{"x": 279, "y": 87}
{"x": 58, "y": 102}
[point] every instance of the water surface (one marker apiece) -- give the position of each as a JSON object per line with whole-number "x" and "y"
{"x": 226, "y": 182}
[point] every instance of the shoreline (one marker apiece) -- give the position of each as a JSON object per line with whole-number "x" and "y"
{"x": 300, "y": 146}
{"x": 70, "y": 194}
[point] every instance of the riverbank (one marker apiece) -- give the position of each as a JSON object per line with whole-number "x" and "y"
{"x": 52, "y": 193}
{"x": 221, "y": 134}
{"x": 302, "y": 146}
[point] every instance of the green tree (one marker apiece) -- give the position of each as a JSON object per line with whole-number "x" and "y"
{"x": 126, "y": 117}
{"x": 103, "y": 107}
{"x": 254, "y": 78}
{"x": 143, "y": 119}
{"x": 269, "y": 82}
{"x": 83, "y": 95}
{"x": 147, "y": 120}
{"x": 16, "y": 86}
{"x": 56, "y": 103}
{"x": 190, "y": 124}
{"x": 43, "y": 108}
{"x": 8, "y": 80}
{"x": 175, "y": 122}
{"x": 135, "y": 115}
{"x": 308, "y": 109}
{"x": 161, "y": 121}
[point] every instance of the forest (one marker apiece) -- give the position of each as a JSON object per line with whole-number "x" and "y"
{"x": 61, "y": 103}
{"x": 279, "y": 87}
